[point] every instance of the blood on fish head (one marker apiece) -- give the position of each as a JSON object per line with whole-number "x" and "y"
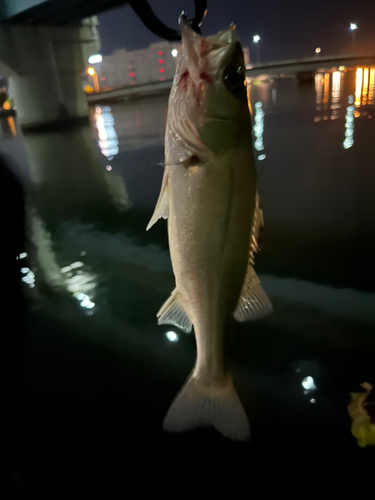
{"x": 209, "y": 85}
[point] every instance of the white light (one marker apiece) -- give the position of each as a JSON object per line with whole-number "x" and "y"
{"x": 349, "y": 124}
{"x": 109, "y": 168}
{"x": 318, "y": 50}
{"x": 96, "y": 58}
{"x": 29, "y": 278}
{"x": 258, "y": 126}
{"x": 256, "y": 38}
{"x": 76, "y": 264}
{"x": 24, "y": 270}
{"x": 353, "y": 26}
{"x": 308, "y": 383}
{"x": 261, "y": 157}
{"x": 66, "y": 269}
{"x": 172, "y": 336}
{"x": 23, "y": 255}
{"x": 312, "y": 400}
{"x": 86, "y": 302}
{"x": 174, "y": 52}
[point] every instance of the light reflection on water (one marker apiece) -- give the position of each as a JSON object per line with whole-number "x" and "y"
{"x": 104, "y": 123}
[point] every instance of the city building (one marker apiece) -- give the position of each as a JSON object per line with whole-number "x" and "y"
{"x": 153, "y": 64}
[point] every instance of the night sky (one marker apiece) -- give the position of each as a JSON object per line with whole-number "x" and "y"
{"x": 287, "y": 28}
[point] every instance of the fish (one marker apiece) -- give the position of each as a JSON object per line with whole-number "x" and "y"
{"x": 210, "y": 196}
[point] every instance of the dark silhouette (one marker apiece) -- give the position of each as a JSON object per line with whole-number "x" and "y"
{"x": 12, "y": 230}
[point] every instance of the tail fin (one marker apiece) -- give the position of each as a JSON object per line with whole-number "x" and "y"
{"x": 197, "y": 406}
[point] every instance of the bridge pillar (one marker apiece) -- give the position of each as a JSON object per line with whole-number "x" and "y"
{"x": 45, "y": 65}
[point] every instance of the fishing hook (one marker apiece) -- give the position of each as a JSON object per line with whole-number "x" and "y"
{"x": 147, "y": 16}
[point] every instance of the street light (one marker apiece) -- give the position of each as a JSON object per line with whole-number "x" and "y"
{"x": 93, "y": 73}
{"x": 96, "y": 58}
{"x": 353, "y": 28}
{"x": 318, "y": 50}
{"x": 256, "y": 39}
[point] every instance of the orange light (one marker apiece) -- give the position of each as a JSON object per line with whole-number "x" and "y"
{"x": 318, "y": 88}
{"x": 365, "y": 86}
{"x": 161, "y": 61}
{"x": 6, "y": 105}
{"x": 372, "y": 85}
{"x": 358, "y": 87}
{"x": 12, "y": 126}
{"x": 326, "y": 88}
{"x": 161, "y": 70}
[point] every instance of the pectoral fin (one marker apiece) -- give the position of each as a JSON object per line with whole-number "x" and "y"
{"x": 173, "y": 313}
{"x": 162, "y": 205}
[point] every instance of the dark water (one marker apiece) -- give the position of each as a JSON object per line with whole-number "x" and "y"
{"x": 98, "y": 374}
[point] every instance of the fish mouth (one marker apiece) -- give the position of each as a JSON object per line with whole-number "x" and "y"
{"x": 205, "y": 55}
{"x": 184, "y": 21}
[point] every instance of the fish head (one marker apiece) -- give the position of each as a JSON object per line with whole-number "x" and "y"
{"x": 208, "y": 107}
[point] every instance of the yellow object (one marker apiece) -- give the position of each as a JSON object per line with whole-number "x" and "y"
{"x": 88, "y": 89}
{"x": 91, "y": 71}
{"x": 362, "y": 428}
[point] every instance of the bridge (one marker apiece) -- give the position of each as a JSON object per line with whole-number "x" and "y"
{"x": 300, "y": 66}
{"x": 44, "y": 48}
{"x": 45, "y": 45}
{"x": 52, "y": 12}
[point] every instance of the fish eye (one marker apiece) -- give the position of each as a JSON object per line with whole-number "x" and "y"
{"x": 233, "y": 78}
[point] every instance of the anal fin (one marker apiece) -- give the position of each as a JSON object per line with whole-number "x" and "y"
{"x": 173, "y": 313}
{"x": 253, "y": 302}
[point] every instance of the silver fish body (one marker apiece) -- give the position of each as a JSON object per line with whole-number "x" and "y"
{"x": 209, "y": 195}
